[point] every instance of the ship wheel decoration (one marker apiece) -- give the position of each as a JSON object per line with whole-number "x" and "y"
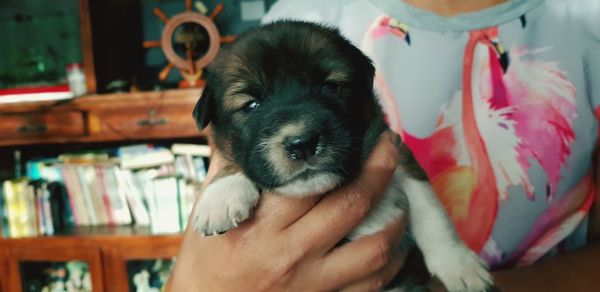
{"x": 190, "y": 41}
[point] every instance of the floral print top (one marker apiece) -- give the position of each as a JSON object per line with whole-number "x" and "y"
{"x": 499, "y": 106}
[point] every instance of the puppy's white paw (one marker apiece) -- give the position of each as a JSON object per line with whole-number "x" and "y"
{"x": 224, "y": 204}
{"x": 460, "y": 269}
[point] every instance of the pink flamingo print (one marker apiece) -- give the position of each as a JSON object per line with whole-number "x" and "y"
{"x": 510, "y": 112}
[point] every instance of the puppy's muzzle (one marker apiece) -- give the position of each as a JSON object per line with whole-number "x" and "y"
{"x": 303, "y": 147}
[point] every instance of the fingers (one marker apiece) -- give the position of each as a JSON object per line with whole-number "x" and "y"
{"x": 339, "y": 212}
{"x": 362, "y": 257}
{"x": 379, "y": 279}
{"x": 278, "y": 212}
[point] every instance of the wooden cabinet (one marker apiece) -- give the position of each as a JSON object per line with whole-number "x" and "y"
{"x": 19, "y": 256}
{"x": 106, "y": 252}
{"x": 161, "y": 117}
{"x": 101, "y": 118}
{"x": 116, "y": 118}
{"x": 42, "y": 125}
{"x": 117, "y": 259}
{"x": 3, "y": 273}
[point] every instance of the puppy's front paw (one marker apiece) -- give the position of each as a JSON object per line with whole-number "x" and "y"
{"x": 224, "y": 204}
{"x": 460, "y": 269}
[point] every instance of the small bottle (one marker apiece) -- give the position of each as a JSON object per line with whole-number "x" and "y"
{"x": 76, "y": 79}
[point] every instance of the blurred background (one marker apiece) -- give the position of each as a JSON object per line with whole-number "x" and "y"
{"x": 40, "y": 38}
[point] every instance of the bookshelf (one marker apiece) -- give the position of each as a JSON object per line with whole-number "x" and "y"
{"x": 110, "y": 35}
{"x": 106, "y": 252}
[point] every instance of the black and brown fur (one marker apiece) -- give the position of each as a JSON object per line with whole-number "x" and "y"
{"x": 302, "y": 71}
{"x": 290, "y": 84}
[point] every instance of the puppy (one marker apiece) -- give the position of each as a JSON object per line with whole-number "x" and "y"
{"x": 293, "y": 111}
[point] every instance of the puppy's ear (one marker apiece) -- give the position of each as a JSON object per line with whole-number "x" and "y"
{"x": 204, "y": 110}
{"x": 366, "y": 69}
{"x": 369, "y": 70}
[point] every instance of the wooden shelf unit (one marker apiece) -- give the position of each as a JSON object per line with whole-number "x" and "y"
{"x": 116, "y": 118}
{"x": 101, "y": 118}
{"x": 105, "y": 249}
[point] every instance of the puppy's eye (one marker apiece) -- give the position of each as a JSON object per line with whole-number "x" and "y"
{"x": 250, "y": 106}
{"x": 330, "y": 88}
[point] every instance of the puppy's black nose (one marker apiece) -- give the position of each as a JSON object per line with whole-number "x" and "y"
{"x": 301, "y": 147}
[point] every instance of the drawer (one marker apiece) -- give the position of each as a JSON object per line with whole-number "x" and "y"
{"x": 42, "y": 125}
{"x": 141, "y": 122}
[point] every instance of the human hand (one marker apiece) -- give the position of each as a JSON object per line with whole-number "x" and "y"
{"x": 290, "y": 244}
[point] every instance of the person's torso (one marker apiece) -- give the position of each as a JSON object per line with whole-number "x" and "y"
{"x": 496, "y": 107}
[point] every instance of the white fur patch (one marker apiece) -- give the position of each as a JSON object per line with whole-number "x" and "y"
{"x": 318, "y": 184}
{"x": 224, "y": 204}
{"x": 392, "y": 206}
{"x": 446, "y": 256}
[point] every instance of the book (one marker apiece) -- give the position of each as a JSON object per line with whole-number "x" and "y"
{"x": 60, "y": 207}
{"x": 127, "y": 184}
{"x": 87, "y": 176}
{"x": 200, "y": 168}
{"x": 143, "y": 178}
{"x": 103, "y": 193}
{"x": 132, "y": 150}
{"x": 148, "y": 160}
{"x": 37, "y": 93}
{"x": 76, "y": 200}
{"x": 85, "y": 157}
{"x": 34, "y": 207}
{"x": 191, "y": 149}
{"x": 144, "y": 156}
{"x": 30, "y": 216}
{"x": 42, "y": 207}
{"x": 187, "y": 195}
{"x": 184, "y": 166}
{"x": 4, "y": 230}
{"x": 168, "y": 213}
{"x": 20, "y": 208}
{"x": 48, "y": 222}
{"x": 12, "y": 208}
{"x": 145, "y": 185}
{"x": 189, "y": 160}
{"x": 83, "y": 187}
{"x": 116, "y": 196}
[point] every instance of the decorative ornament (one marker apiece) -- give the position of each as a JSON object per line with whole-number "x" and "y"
{"x": 189, "y": 32}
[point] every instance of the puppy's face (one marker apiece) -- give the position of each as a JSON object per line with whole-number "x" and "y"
{"x": 291, "y": 103}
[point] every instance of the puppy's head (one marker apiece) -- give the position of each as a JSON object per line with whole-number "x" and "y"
{"x": 291, "y": 103}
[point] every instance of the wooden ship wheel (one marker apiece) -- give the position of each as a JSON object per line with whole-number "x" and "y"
{"x": 192, "y": 34}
